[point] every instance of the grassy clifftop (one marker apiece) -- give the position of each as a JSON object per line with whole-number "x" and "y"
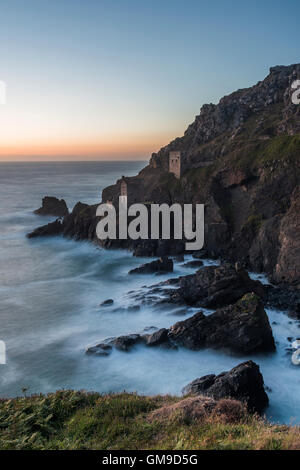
{"x": 78, "y": 420}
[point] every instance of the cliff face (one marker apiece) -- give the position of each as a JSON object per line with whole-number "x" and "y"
{"x": 241, "y": 158}
{"x": 268, "y": 103}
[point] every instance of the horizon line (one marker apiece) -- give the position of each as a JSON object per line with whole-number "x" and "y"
{"x": 72, "y": 161}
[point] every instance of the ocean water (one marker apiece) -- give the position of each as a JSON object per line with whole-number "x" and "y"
{"x": 50, "y": 291}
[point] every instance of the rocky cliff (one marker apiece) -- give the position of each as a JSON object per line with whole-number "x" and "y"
{"x": 241, "y": 158}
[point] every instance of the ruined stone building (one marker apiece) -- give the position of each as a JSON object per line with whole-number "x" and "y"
{"x": 175, "y": 163}
{"x": 123, "y": 187}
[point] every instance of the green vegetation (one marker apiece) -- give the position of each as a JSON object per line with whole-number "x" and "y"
{"x": 199, "y": 176}
{"x": 170, "y": 181}
{"x": 253, "y": 223}
{"x": 78, "y": 420}
{"x": 267, "y": 153}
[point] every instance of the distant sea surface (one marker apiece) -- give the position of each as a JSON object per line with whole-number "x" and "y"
{"x": 50, "y": 295}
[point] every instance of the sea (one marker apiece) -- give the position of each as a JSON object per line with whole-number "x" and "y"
{"x": 50, "y": 295}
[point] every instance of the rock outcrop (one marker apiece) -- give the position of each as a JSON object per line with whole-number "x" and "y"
{"x": 244, "y": 383}
{"x": 49, "y": 230}
{"x": 126, "y": 342}
{"x": 242, "y": 328}
{"x": 214, "y": 286}
{"x": 161, "y": 265}
{"x": 53, "y": 206}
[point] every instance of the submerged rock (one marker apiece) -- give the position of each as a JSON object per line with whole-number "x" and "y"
{"x": 106, "y": 302}
{"x": 163, "y": 264}
{"x": 244, "y": 383}
{"x": 101, "y": 349}
{"x": 53, "y": 206}
{"x": 242, "y": 328}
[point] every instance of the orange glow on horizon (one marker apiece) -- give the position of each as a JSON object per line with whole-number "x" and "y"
{"x": 121, "y": 148}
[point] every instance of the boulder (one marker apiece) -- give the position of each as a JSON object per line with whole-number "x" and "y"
{"x": 242, "y": 328}
{"x": 124, "y": 343}
{"x": 163, "y": 264}
{"x": 158, "y": 338}
{"x": 51, "y": 229}
{"x": 53, "y": 206}
{"x": 244, "y": 383}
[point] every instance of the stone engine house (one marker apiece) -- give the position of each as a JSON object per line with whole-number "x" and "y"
{"x": 175, "y": 163}
{"x": 123, "y": 187}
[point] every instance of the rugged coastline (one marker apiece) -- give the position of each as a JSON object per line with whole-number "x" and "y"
{"x": 241, "y": 159}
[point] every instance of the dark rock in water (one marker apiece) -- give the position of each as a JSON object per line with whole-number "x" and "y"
{"x": 53, "y": 206}
{"x": 193, "y": 264}
{"x": 106, "y": 302}
{"x": 124, "y": 343}
{"x": 242, "y": 328}
{"x": 81, "y": 223}
{"x": 51, "y": 229}
{"x": 244, "y": 383}
{"x": 215, "y": 286}
{"x": 101, "y": 349}
{"x": 133, "y": 308}
{"x": 161, "y": 265}
{"x": 158, "y": 338}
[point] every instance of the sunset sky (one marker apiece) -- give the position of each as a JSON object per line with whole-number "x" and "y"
{"x": 117, "y": 79}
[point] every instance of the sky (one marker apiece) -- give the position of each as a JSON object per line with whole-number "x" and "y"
{"x": 118, "y": 79}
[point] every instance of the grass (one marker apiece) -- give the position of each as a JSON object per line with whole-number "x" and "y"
{"x": 79, "y": 420}
{"x": 269, "y": 153}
